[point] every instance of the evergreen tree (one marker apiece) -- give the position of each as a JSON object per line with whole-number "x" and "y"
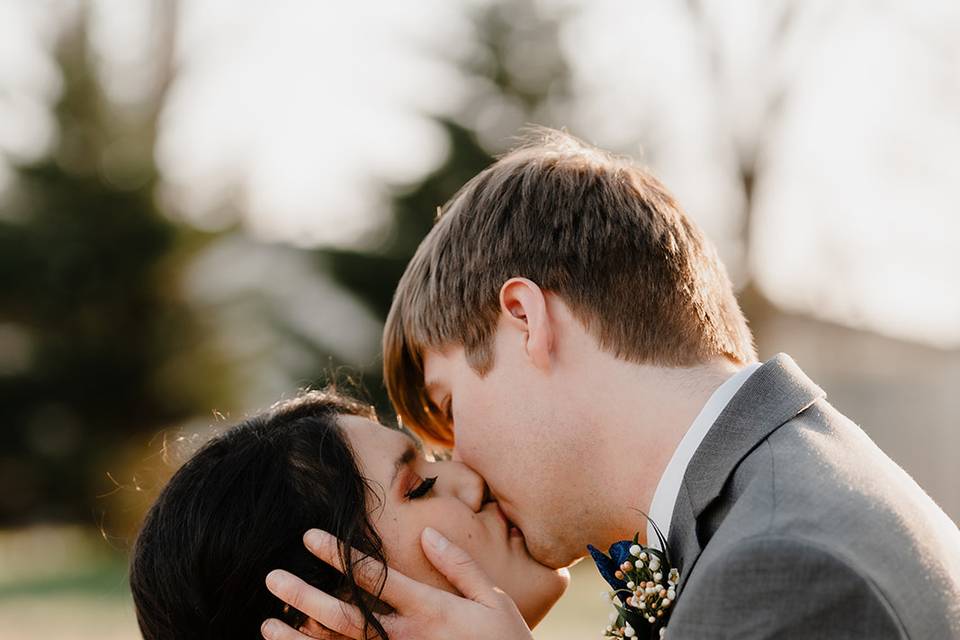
{"x": 89, "y": 272}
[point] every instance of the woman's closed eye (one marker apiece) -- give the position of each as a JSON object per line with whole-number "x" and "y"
{"x": 421, "y": 489}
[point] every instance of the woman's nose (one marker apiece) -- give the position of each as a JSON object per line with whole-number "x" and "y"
{"x": 464, "y": 483}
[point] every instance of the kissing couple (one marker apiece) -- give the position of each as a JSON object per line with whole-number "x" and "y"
{"x": 571, "y": 341}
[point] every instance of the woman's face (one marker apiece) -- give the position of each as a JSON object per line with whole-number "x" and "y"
{"x": 455, "y": 504}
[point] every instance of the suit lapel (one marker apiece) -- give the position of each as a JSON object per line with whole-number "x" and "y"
{"x": 776, "y": 393}
{"x": 684, "y": 545}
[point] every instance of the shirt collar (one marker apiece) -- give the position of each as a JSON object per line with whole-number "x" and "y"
{"x": 664, "y": 498}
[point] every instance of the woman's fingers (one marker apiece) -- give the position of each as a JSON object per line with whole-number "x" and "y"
{"x": 459, "y": 568}
{"x": 421, "y": 612}
{"x": 313, "y": 629}
{"x": 273, "y": 629}
{"x": 276, "y": 630}
{"x": 338, "y": 616}
{"x": 398, "y": 590}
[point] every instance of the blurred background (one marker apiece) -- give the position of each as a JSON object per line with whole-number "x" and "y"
{"x": 206, "y": 205}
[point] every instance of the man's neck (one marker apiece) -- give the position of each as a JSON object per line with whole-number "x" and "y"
{"x": 642, "y": 432}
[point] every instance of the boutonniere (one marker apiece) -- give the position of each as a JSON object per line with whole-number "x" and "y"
{"x": 645, "y": 584}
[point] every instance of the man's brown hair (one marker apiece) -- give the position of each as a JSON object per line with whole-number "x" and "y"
{"x": 595, "y": 229}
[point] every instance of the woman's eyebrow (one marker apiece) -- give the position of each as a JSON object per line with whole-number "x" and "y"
{"x": 402, "y": 428}
{"x": 409, "y": 455}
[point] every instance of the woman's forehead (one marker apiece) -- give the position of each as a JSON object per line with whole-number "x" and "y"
{"x": 362, "y": 430}
{"x": 373, "y": 441}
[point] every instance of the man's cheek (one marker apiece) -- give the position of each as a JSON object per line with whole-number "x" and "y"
{"x": 464, "y": 438}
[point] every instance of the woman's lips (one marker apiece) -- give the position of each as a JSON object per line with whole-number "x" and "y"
{"x": 510, "y": 529}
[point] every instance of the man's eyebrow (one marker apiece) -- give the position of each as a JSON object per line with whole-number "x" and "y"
{"x": 409, "y": 455}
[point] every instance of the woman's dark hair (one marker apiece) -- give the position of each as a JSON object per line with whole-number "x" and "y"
{"x": 238, "y": 509}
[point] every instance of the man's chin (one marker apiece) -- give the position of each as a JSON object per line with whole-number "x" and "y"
{"x": 550, "y": 556}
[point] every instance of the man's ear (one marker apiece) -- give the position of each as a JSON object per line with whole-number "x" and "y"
{"x": 523, "y": 305}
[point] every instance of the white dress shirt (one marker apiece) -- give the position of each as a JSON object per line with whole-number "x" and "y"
{"x": 665, "y": 497}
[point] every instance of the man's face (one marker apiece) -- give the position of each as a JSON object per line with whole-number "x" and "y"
{"x": 519, "y": 428}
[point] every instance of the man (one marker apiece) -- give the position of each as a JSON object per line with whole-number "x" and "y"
{"x": 575, "y": 339}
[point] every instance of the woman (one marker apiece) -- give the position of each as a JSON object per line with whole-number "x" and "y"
{"x": 240, "y": 506}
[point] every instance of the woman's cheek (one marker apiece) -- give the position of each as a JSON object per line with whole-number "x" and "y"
{"x": 492, "y": 558}
{"x": 406, "y": 556}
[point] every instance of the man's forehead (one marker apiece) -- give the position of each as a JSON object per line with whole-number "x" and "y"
{"x": 432, "y": 362}
{"x": 437, "y": 366}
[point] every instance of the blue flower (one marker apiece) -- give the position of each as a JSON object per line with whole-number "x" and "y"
{"x": 646, "y": 587}
{"x": 609, "y": 565}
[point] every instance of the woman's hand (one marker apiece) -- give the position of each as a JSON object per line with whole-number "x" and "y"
{"x": 421, "y": 612}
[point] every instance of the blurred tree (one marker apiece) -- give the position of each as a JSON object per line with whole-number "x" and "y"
{"x": 518, "y": 75}
{"x": 752, "y": 146}
{"x": 89, "y": 269}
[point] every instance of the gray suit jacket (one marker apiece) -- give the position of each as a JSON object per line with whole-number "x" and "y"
{"x": 791, "y": 523}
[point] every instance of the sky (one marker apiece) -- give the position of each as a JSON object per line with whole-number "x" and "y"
{"x": 303, "y": 113}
